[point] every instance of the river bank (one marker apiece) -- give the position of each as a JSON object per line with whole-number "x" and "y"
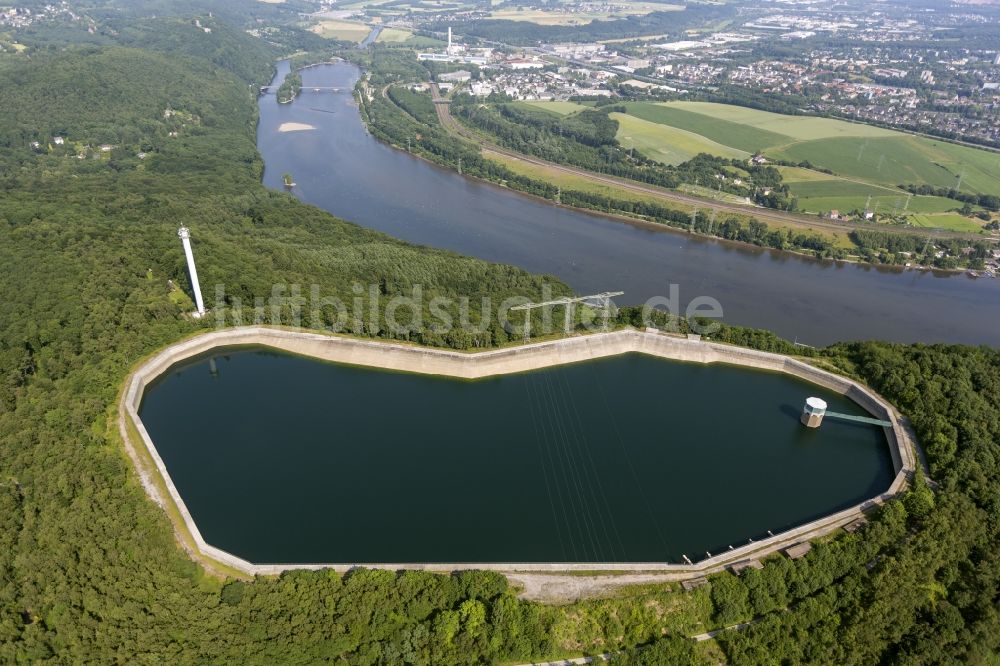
{"x": 341, "y": 168}
{"x": 646, "y": 223}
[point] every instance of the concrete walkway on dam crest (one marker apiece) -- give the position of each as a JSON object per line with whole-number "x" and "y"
{"x": 539, "y": 580}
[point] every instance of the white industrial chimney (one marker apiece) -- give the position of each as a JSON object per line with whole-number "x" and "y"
{"x": 185, "y": 235}
{"x": 449, "y": 40}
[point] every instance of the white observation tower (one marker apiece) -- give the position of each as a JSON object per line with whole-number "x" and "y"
{"x": 185, "y": 235}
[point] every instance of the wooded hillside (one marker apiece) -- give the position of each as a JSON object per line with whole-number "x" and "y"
{"x": 89, "y": 568}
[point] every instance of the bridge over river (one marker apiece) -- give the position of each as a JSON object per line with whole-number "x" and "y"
{"x": 270, "y": 90}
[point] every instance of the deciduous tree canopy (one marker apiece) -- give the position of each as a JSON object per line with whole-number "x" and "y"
{"x": 89, "y": 568}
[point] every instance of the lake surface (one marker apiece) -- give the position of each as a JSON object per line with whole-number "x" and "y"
{"x": 284, "y": 459}
{"x": 339, "y": 167}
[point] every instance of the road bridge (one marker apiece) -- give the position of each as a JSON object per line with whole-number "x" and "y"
{"x": 859, "y": 419}
{"x": 265, "y": 90}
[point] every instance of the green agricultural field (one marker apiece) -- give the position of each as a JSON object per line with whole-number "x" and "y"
{"x": 667, "y": 144}
{"x": 801, "y": 128}
{"x": 950, "y": 221}
{"x": 346, "y": 30}
{"x": 542, "y": 17}
{"x": 725, "y": 132}
{"x": 570, "y": 14}
{"x": 825, "y": 195}
{"x": 363, "y": 4}
{"x": 980, "y": 169}
{"x": 421, "y": 42}
{"x": 880, "y": 204}
{"x": 560, "y": 108}
{"x": 820, "y": 193}
{"x": 798, "y": 174}
{"x": 888, "y": 160}
{"x": 873, "y": 154}
{"x": 394, "y": 35}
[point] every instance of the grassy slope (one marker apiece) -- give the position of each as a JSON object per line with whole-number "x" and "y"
{"x": 547, "y": 18}
{"x": 817, "y": 191}
{"x": 951, "y": 221}
{"x": 667, "y": 144}
{"x": 346, "y": 30}
{"x": 874, "y": 160}
{"x": 980, "y": 168}
{"x": 802, "y": 128}
{"x": 394, "y": 35}
{"x": 885, "y": 160}
{"x": 725, "y": 132}
{"x": 560, "y": 108}
{"x": 874, "y": 154}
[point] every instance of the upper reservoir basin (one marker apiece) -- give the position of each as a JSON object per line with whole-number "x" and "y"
{"x": 632, "y": 458}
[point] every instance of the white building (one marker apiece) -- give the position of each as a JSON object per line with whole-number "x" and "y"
{"x": 449, "y": 57}
{"x": 574, "y": 49}
{"x": 524, "y": 63}
{"x": 480, "y": 89}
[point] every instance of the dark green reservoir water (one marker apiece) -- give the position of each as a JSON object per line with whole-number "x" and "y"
{"x": 282, "y": 459}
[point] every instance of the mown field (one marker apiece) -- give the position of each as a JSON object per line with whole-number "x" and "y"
{"x": 719, "y": 130}
{"x": 819, "y": 192}
{"x": 421, "y": 42}
{"x": 345, "y": 30}
{"x": 558, "y": 108}
{"x": 568, "y": 14}
{"x": 394, "y": 35}
{"x": 802, "y": 128}
{"x": 951, "y": 221}
{"x": 667, "y": 144}
{"x": 868, "y": 163}
{"x": 547, "y": 17}
{"x": 872, "y": 154}
{"x": 402, "y": 8}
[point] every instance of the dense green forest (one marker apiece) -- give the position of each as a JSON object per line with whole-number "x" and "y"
{"x": 289, "y": 88}
{"x": 89, "y": 568}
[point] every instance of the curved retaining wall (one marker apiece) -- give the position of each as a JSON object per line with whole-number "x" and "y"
{"x": 505, "y": 361}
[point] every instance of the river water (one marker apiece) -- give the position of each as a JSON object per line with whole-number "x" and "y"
{"x": 339, "y": 167}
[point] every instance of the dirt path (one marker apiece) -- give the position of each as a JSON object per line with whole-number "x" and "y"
{"x": 561, "y": 588}
{"x": 570, "y": 662}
